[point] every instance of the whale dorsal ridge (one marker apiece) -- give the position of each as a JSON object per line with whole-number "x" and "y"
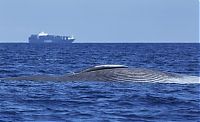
{"x": 102, "y": 67}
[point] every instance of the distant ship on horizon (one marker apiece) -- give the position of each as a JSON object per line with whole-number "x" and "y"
{"x": 43, "y": 37}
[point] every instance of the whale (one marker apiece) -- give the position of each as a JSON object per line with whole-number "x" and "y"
{"x": 120, "y": 73}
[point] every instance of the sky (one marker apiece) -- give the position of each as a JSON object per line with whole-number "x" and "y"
{"x": 101, "y": 21}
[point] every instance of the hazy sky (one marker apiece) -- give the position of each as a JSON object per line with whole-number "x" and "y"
{"x": 101, "y": 20}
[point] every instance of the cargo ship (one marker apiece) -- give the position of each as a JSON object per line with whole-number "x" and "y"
{"x": 43, "y": 37}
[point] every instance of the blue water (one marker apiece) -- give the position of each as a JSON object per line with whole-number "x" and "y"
{"x": 97, "y": 101}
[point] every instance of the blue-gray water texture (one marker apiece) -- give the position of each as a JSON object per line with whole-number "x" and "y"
{"x": 97, "y": 101}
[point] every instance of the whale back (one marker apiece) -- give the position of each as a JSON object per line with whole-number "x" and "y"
{"x": 114, "y": 73}
{"x": 119, "y": 73}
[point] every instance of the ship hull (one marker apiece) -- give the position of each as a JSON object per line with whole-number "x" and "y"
{"x": 51, "y": 41}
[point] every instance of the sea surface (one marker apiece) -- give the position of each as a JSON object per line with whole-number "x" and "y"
{"x": 94, "y": 101}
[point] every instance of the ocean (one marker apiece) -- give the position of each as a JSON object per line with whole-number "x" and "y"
{"x": 95, "y": 101}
